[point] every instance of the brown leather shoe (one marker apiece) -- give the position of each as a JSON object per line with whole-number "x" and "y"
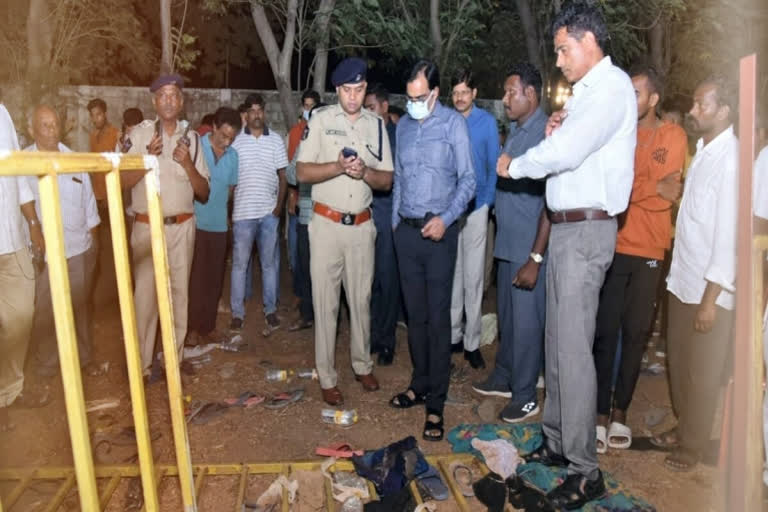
{"x": 369, "y": 382}
{"x": 332, "y": 396}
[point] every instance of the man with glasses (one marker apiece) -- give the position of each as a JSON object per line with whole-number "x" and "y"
{"x": 469, "y": 275}
{"x": 434, "y": 182}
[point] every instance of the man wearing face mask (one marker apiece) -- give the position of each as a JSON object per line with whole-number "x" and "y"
{"x": 183, "y": 178}
{"x": 434, "y": 182}
{"x": 344, "y": 154}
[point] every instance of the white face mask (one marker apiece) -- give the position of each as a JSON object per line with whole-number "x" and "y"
{"x": 305, "y": 115}
{"x": 419, "y": 109}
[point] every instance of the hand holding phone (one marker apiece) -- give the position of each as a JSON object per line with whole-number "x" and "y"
{"x": 348, "y": 152}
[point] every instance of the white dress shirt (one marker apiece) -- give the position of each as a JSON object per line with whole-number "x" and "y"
{"x": 705, "y": 233}
{"x": 79, "y": 213}
{"x": 760, "y": 185}
{"x": 589, "y": 160}
{"x": 14, "y": 191}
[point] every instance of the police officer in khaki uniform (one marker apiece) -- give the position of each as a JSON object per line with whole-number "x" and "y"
{"x": 344, "y": 154}
{"x": 184, "y": 177}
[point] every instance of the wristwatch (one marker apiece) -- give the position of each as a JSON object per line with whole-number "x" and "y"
{"x": 536, "y": 257}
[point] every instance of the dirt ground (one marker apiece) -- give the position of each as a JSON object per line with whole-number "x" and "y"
{"x": 257, "y": 434}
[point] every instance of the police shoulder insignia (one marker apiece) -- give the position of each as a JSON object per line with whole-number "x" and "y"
{"x": 305, "y": 134}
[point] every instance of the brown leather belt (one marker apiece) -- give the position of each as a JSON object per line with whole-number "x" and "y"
{"x": 348, "y": 219}
{"x": 577, "y": 215}
{"x": 173, "y": 219}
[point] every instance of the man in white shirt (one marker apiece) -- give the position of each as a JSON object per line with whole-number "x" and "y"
{"x": 702, "y": 277}
{"x": 17, "y": 275}
{"x": 259, "y": 199}
{"x": 80, "y": 219}
{"x": 587, "y": 159}
{"x": 760, "y": 211}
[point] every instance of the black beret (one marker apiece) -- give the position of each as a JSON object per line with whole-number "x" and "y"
{"x": 166, "y": 79}
{"x": 349, "y": 71}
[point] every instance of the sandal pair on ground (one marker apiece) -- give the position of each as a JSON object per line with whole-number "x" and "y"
{"x": 576, "y": 490}
{"x": 617, "y": 436}
{"x": 434, "y": 430}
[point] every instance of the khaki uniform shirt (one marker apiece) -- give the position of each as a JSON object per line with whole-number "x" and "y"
{"x": 329, "y": 130}
{"x": 176, "y": 193}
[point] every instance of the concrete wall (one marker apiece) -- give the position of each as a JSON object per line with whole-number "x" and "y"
{"x": 72, "y": 101}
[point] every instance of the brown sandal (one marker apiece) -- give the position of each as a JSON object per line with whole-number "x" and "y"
{"x": 666, "y": 440}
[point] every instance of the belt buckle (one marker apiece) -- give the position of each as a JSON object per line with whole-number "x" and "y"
{"x": 169, "y": 220}
{"x": 347, "y": 219}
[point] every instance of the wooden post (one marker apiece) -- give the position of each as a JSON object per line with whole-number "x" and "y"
{"x": 745, "y": 456}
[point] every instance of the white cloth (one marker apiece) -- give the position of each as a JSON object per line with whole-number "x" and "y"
{"x": 79, "y": 213}
{"x": 257, "y": 180}
{"x": 14, "y": 191}
{"x": 589, "y": 160}
{"x": 705, "y": 233}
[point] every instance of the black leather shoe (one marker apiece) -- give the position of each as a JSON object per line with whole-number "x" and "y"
{"x": 475, "y": 359}
{"x": 576, "y": 491}
{"x": 457, "y": 347}
{"x": 386, "y": 356}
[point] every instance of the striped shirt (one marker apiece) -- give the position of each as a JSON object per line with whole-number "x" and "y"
{"x": 257, "y": 181}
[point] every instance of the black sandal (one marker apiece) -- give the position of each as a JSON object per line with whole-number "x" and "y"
{"x": 543, "y": 455}
{"x": 430, "y": 427}
{"x": 403, "y": 401}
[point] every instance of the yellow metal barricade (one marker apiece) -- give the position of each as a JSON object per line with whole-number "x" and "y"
{"x": 48, "y": 166}
{"x": 84, "y": 474}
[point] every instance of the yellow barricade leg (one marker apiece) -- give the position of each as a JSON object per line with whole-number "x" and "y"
{"x": 175, "y": 397}
{"x": 132, "y": 356}
{"x": 67, "y": 342}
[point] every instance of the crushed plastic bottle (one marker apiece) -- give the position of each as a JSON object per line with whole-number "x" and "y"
{"x": 344, "y": 417}
{"x": 306, "y": 373}
{"x": 278, "y": 375}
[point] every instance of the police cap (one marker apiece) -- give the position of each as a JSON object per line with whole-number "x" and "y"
{"x": 167, "y": 79}
{"x": 349, "y": 71}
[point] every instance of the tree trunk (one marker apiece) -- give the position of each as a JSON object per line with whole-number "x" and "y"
{"x": 40, "y": 45}
{"x": 434, "y": 30}
{"x": 656, "y": 46}
{"x": 166, "y": 59}
{"x": 321, "y": 52}
{"x": 279, "y": 60}
{"x": 531, "y": 33}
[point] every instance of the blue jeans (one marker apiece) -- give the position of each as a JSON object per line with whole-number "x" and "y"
{"x": 263, "y": 231}
{"x": 293, "y": 251}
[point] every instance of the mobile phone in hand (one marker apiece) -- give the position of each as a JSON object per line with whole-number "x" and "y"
{"x": 348, "y": 152}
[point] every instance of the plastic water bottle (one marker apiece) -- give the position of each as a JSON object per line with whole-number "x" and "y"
{"x": 279, "y": 375}
{"x": 306, "y": 373}
{"x": 343, "y": 417}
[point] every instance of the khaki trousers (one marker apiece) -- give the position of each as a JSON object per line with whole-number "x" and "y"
{"x": 17, "y": 307}
{"x": 341, "y": 254}
{"x": 180, "y": 240}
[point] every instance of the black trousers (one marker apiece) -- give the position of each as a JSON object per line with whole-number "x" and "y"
{"x": 627, "y": 304}
{"x": 426, "y": 277}
{"x": 385, "y": 293}
{"x": 206, "y": 280}
{"x": 301, "y": 274}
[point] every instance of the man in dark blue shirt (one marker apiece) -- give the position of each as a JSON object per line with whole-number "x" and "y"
{"x": 523, "y": 232}
{"x": 434, "y": 182}
{"x": 385, "y": 294}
